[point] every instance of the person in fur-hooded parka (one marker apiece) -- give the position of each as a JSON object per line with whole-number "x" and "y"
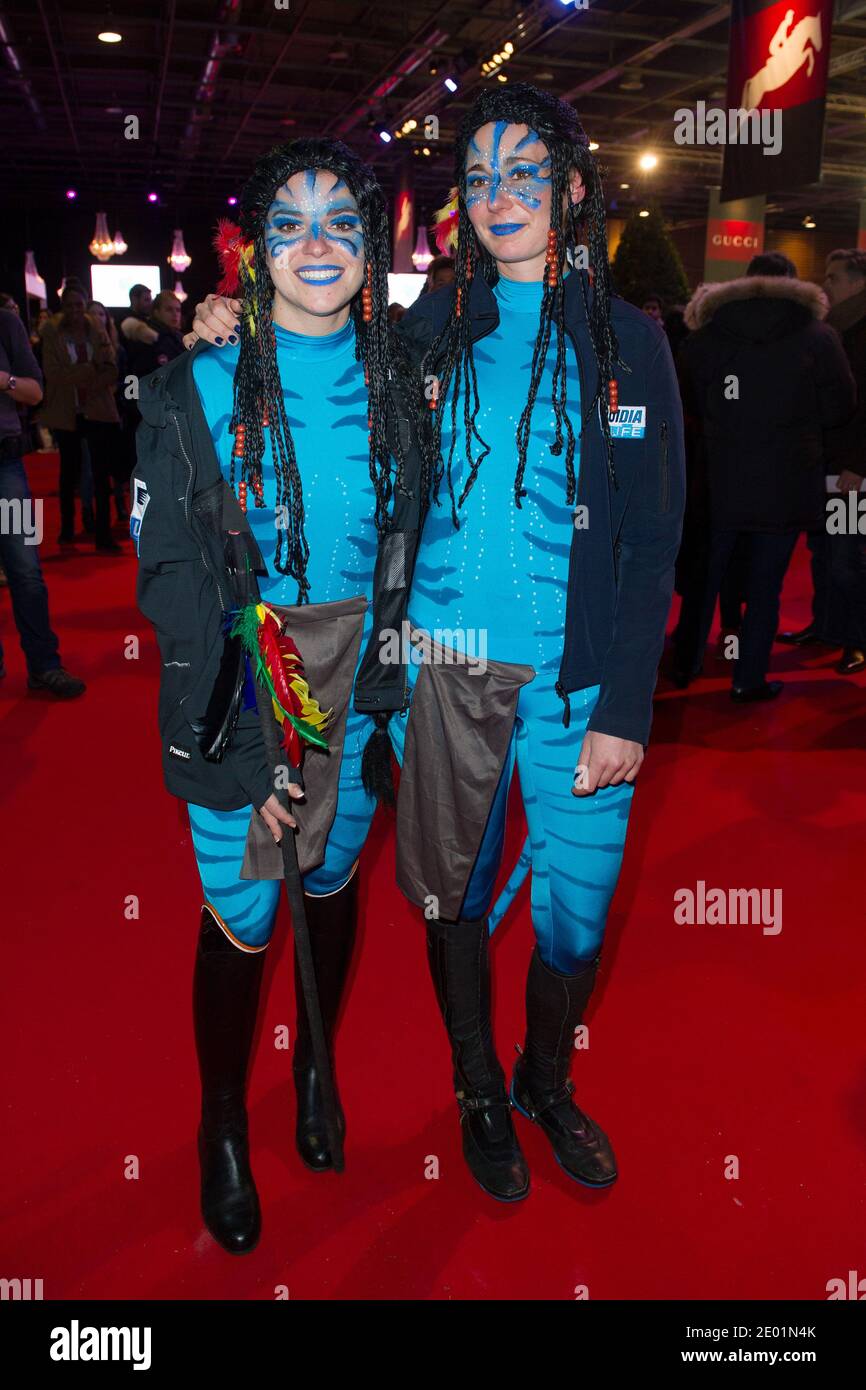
{"x": 767, "y": 381}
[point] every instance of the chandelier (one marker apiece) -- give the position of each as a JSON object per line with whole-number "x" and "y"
{"x": 102, "y": 245}
{"x": 179, "y": 260}
{"x": 422, "y": 255}
{"x": 120, "y": 246}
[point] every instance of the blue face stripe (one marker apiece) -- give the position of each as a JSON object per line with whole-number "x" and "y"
{"x": 498, "y": 132}
{"x": 529, "y": 139}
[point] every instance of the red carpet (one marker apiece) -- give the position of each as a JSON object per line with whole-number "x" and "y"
{"x": 709, "y": 1044}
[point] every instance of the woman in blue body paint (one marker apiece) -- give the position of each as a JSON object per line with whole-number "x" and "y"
{"x": 552, "y": 562}
{"x": 309, "y": 416}
{"x": 563, "y": 559}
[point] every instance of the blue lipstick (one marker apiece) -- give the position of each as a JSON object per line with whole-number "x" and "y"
{"x": 505, "y": 228}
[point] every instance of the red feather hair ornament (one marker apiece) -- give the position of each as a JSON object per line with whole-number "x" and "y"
{"x": 233, "y": 251}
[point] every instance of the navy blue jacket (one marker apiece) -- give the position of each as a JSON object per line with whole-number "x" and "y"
{"x": 621, "y": 568}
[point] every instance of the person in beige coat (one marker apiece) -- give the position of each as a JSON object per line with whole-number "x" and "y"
{"x": 80, "y": 368}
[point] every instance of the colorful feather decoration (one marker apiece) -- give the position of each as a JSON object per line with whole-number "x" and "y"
{"x": 445, "y": 225}
{"x": 236, "y": 258}
{"x": 279, "y": 667}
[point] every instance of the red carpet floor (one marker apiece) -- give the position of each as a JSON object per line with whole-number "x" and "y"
{"x": 711, "y": 1047}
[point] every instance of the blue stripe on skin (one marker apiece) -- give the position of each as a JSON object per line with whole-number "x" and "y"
{"x": 528, "y": 139}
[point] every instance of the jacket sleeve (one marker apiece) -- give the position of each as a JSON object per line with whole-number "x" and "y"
{"x": 178, "y": 595}
{"x": 843, "y": 416}
{"x": 647, "y": 549}
{"x": 137, "y": 331}
{"x": 104, "y": 363}
{"x": 22, "y": 362}
{"x": 415, "y": 329}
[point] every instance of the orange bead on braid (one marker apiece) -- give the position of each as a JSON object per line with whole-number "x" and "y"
{"x": 238, "y": 463}
{"x": 367, "y": 296}
{"x": 552, "y": 258}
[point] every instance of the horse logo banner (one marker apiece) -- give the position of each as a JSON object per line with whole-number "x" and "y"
{"x": 779, "y": 58}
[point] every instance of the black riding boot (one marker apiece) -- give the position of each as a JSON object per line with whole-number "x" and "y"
{"x": 226, "y": 986}
{"x": 459, "y": 958}
{"x": 541, "y": 1088}
{"x": 332, "y": 921}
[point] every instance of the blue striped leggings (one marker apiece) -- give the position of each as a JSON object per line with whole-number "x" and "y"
{"x": 575, "y": 843}
{"x": 247, "y": 908}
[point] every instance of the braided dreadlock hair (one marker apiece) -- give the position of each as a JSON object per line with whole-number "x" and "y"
{"x": 258, "y": 393}
{"x": 557, "y": 124}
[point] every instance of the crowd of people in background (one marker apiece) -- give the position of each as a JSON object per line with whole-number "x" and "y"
{"x": 773, "y": 378}
{"x": 80, "y": 374}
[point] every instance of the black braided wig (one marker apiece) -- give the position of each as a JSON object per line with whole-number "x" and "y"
{"x": 557, "y": 124}
{"x": 257, "y": 386}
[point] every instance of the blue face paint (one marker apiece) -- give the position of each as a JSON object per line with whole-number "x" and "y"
{"x": 525, "y": 180}
{"x": 322, "y": 208}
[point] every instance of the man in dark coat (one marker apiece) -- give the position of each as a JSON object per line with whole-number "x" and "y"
{"x": 766, "y": 380}
{"x": 165, "y": 320}
{"x": 838, "y": 559}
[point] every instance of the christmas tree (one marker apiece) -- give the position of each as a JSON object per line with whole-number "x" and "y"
{"x": 648, "y": 263}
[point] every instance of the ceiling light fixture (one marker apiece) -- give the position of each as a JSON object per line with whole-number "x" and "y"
{"x": 179, "y": 260}
{"x": 102, "y": 245}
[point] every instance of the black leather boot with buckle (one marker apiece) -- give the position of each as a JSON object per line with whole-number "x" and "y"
{"x": 459, "y": 957}
{"x": 541, "y": 1089}
{"x": 226, "y": 986}
{"x": 332, "y": 921}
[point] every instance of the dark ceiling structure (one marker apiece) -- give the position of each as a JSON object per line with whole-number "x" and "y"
{"x": 214, "y": 82}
